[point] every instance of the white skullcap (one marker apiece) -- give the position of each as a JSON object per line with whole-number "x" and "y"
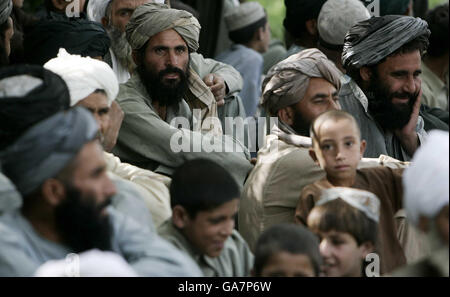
{"x": 337, "y": 17}
{"x": 96, "y": 10}
{"x": 364, "y": 201}
{"x": 425, "y": 182}
{"x": 93, "y": 263}
{"x": 244, "y": 15}
{"x": 84, "y": 75}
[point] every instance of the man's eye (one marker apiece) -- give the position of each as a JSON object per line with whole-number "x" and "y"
{"x": 125, "y": 14}
{"x": 159, "y": 51}
{"x": 180, "y": 50}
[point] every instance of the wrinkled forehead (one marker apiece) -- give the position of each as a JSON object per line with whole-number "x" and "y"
{"x": 128, "y": 4}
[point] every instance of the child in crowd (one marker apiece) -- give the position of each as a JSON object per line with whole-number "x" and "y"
{"x": 346, "y": 221}
{"x": 287, "y": 250}
{"x": 205, "y": 201}
{"x": 338, "y": 148}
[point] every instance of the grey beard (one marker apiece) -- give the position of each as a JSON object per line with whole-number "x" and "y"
{"x": 121, "y": 48}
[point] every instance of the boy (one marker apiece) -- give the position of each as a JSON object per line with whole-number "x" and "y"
{"x": 337, "y": 148}
{"x": 204, "y": 201}
{"x": 346, "y": 221}
{"x": 287, "y": 250}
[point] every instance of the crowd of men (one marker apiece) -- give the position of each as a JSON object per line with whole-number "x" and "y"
{"x": 326, "y": 155}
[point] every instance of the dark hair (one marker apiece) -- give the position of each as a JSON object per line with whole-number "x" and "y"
{"x": 420, "y": 43}
{"x": 437, "y": 20}
{"x": 202, "y": 185}
{"x": 339, "y": 216}
{"x": 246, "y": 34}
{"x": 4, "y": 60}
{"x": 294, "y": 239}
{"x": 298, "y": 12}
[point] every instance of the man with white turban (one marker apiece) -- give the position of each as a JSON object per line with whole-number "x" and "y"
{"x": 166, "y": 90}
{"x": 66, "y": 197}
{"x": 93, "y": 85}
{"x": 296, "y": 91}
{"x": 426, "y": 199}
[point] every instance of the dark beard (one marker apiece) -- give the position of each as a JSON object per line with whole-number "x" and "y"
{"x": 80, "y": 223}
{"x": 300, "y": 126}
{"x": 121, "y": 48}
{"x": 166, "y": 94}
{"x": 390, "y": 116}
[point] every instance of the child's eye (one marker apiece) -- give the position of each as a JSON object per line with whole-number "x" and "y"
{"x": 349, "y": 143}
{"x": 326, "y": 147}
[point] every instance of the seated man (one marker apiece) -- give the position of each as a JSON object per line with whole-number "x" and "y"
{"x": 287, "y": 250}
{"x": 205, "y": 201}
{"x": 66, "y": 194}
{"x": 382, "y": 55}
{"x": 249, "y": 29}
{"x": 165, "y": 94}
{"x": 93, "y": 85}
{"x": 296, "y": 91}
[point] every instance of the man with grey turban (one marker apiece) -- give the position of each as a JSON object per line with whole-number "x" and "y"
{"x": 66, "y": 194}
{"x": 93, "y": 85}
{"x": 426, "y": 196}
{"x": 382, "y": 56}
{"x": 6, "y": 30}
{"x": 166, "y": 97}
{"x": 335, "y": 19}
{"x": 296, "y": 91}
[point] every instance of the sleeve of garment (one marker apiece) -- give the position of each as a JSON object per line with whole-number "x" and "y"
{"x": 147, "y": 253}
{"x": 397, "y": 187}
{"x": 252, "y": 89}
{"x": 246, "y": 256}
{"x": 203, "y": 66}
{"x": 14, "y": 261}
{"x": 420, "y": 129}
{"x": 149, "y": 137}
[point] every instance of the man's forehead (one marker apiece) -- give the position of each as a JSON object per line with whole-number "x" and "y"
{"x": 90, "y": 157}
{"x": 168, "y": 36}
{"x": 131, "y": 4}
{"x": 402, "y": 61}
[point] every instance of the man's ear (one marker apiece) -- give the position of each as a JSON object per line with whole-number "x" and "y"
{"x": 59, "y": 4}
{"x": 363, "y": 147}
{"x": 366, "y": 248}
{"x": 313, "y": 156}
{"x": 135, "y": 54}
{"x": 105, "y": 21}
{"x": 311, "y": 27}
{"x": 365, "y": 73}
{"x": 53, "y": 192}
{"x": 180, "y": 216}
{"x": 286, "y": 115}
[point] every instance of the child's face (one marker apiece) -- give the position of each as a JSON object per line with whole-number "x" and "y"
{"x": 209, "y": 230}
{"x": 338, "y": 149}
{"x": 285, "y": 264}
{"x": 342, "y": 257}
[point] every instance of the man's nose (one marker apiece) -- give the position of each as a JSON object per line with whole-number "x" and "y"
{"x": 109, "y": 188}
{"x": 172, "y": 59}
{"x": 410, "y": 85}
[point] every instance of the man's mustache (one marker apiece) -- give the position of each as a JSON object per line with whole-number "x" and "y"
{"x": 171, "y": 70}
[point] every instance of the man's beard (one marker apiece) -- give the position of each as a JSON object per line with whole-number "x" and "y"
{"x": 81, "y": 224}
{"x": 389, "y": 115}
{"x": 165, "y": 93}
{"x": 300, "y": 126}
{"x": 121, "y": 48}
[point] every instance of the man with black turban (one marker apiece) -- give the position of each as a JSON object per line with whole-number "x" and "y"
{"x": 301, "y": 24}
{"x": 382, "y": 55}
{"x": 58, "y": 168}
{"x": 77, "y": 36}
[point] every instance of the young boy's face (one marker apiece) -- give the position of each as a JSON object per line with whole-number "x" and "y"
{"x": 285, "y": 264}
{"x": 209, "y": 230}
{"x": 342, "y": 257}
{"x": 338, "y": 148}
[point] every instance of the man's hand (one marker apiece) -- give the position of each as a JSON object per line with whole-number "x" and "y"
{"x": 217, "y": 86}
{"x": 115, "y": 121}
{"x": 408, "y": 135}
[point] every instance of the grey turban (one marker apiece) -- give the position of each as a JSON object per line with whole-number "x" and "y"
{"x": 46, "y": 148}
{"x": 5, "y": 10}
{"x": 152, "y": 18}
{"x": 286, "y": 83}
{"x": 370, "y": 41}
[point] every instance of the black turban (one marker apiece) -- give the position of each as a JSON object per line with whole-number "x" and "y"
{"x": 370, "y": 41}
{"x": 77, "y": 36}
{"x": 28, "y": 94}
{"x": 298, "y": 12}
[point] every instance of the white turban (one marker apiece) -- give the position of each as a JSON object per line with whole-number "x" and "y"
{"x": 425, "y": 182}
{"x": 84, "y": 75}
{"x": 96, "y": 10}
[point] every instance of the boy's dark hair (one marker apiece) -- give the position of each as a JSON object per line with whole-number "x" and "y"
{"x": 420, "y": 44}
{"x": 339, "y": 216}
{"x": 330, "y": 115}
{"x": 245, "y": 35}
{"x": 294, "y": 239}
{"x": 437, "y": 20}
{"x": 298, "y": 12}
{"x": 202, "y": 185}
